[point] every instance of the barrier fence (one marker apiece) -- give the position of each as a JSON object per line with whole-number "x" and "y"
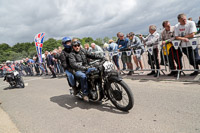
{"x": 164, "y": 59}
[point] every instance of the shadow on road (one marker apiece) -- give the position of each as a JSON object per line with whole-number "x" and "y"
{"x": 11, "y": 88}
{"x": 70, "y": 102}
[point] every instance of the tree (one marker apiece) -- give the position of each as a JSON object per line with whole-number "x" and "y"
{"x": 5, "y": 47}
{"x": 19, "y": 47}
{"x": 106, "y": 39}
{"x": 50, "y": 45}
{"x": 114, "y": 38}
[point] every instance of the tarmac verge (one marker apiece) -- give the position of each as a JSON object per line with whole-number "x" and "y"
{"x": 6, "y": 125}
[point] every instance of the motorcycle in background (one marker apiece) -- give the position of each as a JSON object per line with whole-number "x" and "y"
{"x": 14, "y": 79}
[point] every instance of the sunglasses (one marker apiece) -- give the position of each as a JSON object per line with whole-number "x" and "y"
{"x": 76, "y": 45}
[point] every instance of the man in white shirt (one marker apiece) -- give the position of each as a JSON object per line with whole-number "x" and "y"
{"x": 185, "y": 30}
{"x": 152, "y": 40}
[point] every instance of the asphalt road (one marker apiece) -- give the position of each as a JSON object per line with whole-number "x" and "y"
{"x": 45, "y": 106}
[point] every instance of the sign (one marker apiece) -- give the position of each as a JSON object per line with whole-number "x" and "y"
{"x": 176, "y": 43}
{"x": 39, "y": 39}
{"x": 193, "y": 43}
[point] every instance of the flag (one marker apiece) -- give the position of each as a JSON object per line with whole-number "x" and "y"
{"x": 39, "y": 38}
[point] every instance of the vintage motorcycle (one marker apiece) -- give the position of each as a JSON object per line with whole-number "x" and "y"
{"x": 105, "y": 84}
{"x": 14, "y": 79}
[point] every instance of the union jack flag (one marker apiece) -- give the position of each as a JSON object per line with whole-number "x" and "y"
{"x": 39, "y": 38}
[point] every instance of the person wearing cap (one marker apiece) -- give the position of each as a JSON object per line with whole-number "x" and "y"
{"x": 78, "y": 60}
{"x": 152, "y": 40}
{"x": 136, "y": 44}
{"x": 113, "y": 47}
{"x": 184, "y": 31}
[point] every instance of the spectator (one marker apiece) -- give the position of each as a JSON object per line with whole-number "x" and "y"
{"x": 113, "y": 47}
{"x": 30, "y": 63}
{"x": 136, "y": 44}
{"x": 198, "y": 25}
{"x": 87, "y": 47}
{"x": 152, "y": 40}
{"x": 56, "y": 57}
{"x": 96, "y": 49}
{"x": 122, "y": 45}
{"x": 127, "y": 35}
{"x": 185, "y": 30}
{"x": 190, "y": 19}
{"x": 169, "y": 50}
{"x": 60, "y": 50}
{"x": 118, "y": 39}
{"x": 50, "y": 63}
{"x": 36, "y": 64}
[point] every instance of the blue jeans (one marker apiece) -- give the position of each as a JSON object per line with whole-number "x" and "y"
{"x": 70, "y": 77}
{"x": 83, "y": 80}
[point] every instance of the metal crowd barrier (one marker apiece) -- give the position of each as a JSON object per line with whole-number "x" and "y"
{"x": 165, "y": 67}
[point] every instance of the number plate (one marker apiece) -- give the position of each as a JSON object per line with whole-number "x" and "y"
{"x": 108, "y": 66}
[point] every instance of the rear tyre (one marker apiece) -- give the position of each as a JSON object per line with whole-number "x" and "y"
{"x": 120, "y": 95}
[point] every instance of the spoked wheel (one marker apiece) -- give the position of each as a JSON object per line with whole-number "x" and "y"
{"x": 120, "y": 95}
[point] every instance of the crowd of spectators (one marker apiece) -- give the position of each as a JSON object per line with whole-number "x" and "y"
{"x": 131, "y": 47}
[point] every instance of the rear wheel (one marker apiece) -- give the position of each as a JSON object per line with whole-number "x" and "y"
{"x": 120, "y": 95}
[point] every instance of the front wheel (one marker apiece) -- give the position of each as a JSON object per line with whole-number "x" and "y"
{"x": 120, "y": 95}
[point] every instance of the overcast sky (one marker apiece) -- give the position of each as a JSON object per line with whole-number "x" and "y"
{"x": 21, "y": 20}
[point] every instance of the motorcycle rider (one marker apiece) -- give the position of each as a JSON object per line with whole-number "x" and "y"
{"x": 79, "y": 63}
{"x": 64, "y": 58}
{"x": 7, "y": 66}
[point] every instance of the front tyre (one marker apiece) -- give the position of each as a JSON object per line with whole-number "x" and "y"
{"x": 120, "y": 95}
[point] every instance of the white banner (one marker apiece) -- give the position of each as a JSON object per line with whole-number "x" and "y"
{"x": 128, "y": 53}
{"x": 110, "y": 54}
{"x": 150, "y": 49}
{"x": 176, "y": 43}
{"x": 120, "y": 54}
{"x": 104, "y": 54}
{"x": 138, "y": 52}
{"x": 193, "y": 43}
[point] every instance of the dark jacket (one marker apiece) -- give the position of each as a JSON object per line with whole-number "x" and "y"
{"x": 78, "y": 60}
{"x": 64, "y": 58}
{"x": 124, "y": 44}
{"x": 49, "y": 60}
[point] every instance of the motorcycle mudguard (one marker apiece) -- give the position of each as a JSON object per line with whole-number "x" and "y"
{"x": 115, "y": 78}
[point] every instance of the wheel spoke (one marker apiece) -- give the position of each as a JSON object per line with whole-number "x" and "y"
{"x": 124, "y": 101}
